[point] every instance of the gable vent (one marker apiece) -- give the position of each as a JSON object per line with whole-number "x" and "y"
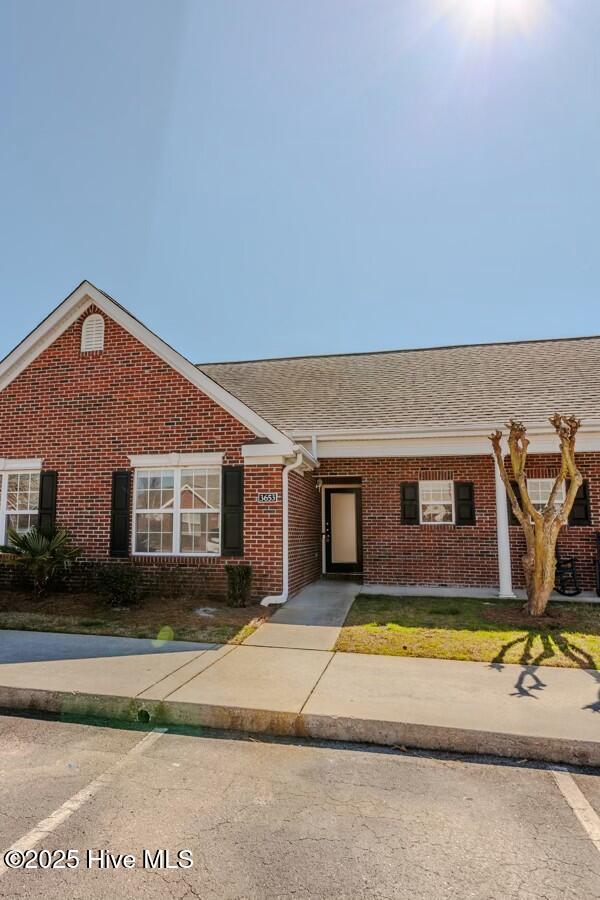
{"x": 92, "y": 334}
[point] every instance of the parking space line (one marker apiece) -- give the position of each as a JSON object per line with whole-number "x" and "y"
{"x": 587, "y": 815}
{"x": 74, "y": 803}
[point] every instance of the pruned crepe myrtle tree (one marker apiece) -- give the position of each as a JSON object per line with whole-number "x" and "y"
{"x": 540, "y": 528}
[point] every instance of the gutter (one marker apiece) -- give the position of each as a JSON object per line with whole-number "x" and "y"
{"x": 401, "y": 433}
{"x": 278, "y": 599}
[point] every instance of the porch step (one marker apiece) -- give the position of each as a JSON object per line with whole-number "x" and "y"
{"x": 356, "y": 577}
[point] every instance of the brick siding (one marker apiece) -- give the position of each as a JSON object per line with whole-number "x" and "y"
{"x": 394, "y": 553}
{"x": 577, "y": 541}
{"x": 304, "y": 531}
{"x": 452, "y": 555}
{"x": 84, "y": 414}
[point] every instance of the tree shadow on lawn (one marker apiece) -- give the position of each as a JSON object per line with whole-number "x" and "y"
{"x": 555, "y": 631}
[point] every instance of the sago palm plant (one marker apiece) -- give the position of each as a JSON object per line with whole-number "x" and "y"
{"x": 40, "y": 554}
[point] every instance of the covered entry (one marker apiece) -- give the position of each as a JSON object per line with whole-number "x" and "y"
{"x": 342, "y": 529}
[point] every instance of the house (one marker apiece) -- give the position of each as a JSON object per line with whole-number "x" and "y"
{"x": 376, "y": 464}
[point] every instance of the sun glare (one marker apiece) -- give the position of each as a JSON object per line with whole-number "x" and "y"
{"x": 493, "y": 16}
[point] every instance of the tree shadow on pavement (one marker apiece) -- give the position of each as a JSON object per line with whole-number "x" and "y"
{"x": 528, "y": 680}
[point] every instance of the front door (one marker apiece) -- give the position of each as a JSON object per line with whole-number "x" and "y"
{"x": 343, "y": 539}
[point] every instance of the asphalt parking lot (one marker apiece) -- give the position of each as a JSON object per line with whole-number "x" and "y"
{"x": 272, "y": 819}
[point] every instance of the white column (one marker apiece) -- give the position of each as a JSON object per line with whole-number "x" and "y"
{"x": 506, "y": 590}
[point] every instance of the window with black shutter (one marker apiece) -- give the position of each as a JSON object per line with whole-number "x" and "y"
{"x": 232, "y": 511}
{"x": 120, "y": 513}
{"x": 512, "y": 519}
{"x": 581, "y": 513}
{"x": 47, "y": 501}
{"x": 464, "y": 501}
{"x": 409, "y": 502}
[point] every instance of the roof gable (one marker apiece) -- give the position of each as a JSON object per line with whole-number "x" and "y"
{"x": 85, "y": 295}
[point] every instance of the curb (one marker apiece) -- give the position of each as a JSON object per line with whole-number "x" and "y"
{"x": 303, "y": 725}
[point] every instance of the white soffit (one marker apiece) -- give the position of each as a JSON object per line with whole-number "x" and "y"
{"x": 441, "y": 445}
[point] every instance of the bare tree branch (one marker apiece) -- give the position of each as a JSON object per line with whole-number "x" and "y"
{"x": 496, "y": 439}
{"x": 540, "y": 528}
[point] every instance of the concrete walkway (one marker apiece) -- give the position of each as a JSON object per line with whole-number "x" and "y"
{"x": 311, "y": 620}
{"x": 520, "y": 711}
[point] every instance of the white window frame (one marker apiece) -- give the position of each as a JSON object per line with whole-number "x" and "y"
{"x": 176, "y": 510}
{"x": 426, "y": 483}
{"x": 5, "y": 473}
{"x": 561, "y": 496}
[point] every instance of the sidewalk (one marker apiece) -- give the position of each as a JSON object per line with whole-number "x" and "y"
{"x": 311, "y": 620}
{"x": 538, "y": 713}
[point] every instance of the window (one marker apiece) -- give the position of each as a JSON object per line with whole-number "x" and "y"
{"x": 539, "y": 492}
{"x": 436, "y": 502}
{"x": 178, "y": 511}
{"x": 92, "y": 334}
{"x": 19, "y": 500}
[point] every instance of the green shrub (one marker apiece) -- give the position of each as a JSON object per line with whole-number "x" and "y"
{"x": 119, "y": 583}
{"x": 41, "y": 556}
{"x": 239, "y": 585}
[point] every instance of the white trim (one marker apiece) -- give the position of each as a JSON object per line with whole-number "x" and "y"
{"x": 76, "y": 303}
{"x": 502, "y": 537}
{"x": 323, "y": 546}
{"x": 404, "y": 431}
{"x": 441, "y": 444}
{"x": 3, "y": 493}
{"x": 276, "y": 455}
{"x": 4, "y": 475}
{"x": 176, "y": 512}
{"x": 265, "y": 460}
{"x": 173, "y": 460}
{"x": 21, "y": 465}
{"x": 429, "y": 481}
{"x": 264, "y": 450}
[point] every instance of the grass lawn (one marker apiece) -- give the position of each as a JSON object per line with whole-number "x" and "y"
{"x": 478, "y": 630}
{"x": 156, "y": 617}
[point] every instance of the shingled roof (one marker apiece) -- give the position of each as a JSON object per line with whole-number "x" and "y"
{"x": 472, "y": 385}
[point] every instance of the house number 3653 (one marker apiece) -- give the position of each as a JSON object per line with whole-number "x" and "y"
{"x": 268, "y": 497}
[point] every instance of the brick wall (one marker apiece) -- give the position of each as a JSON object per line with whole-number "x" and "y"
{"x": 304, "y": 531}
{"x": 578, "y": 541}
{"x": 394, "y": 553}
{"x": 84, "y": 414}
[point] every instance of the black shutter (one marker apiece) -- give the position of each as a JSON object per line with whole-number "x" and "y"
{"x": 119, "y": 513}
{"x": 47, "y": 501}
{"x": 580, "y": 513}
{"x": 512, "y": 519}
{"x": 232, "y": 511}
{"x": 464, "y": 499}
{"x": 409, "y": 497}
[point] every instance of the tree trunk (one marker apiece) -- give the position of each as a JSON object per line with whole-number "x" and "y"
{"x": 540, "y": 527}
{"x": 539, "y": 565}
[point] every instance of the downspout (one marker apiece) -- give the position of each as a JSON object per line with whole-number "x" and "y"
{"x": 278, "y": 599}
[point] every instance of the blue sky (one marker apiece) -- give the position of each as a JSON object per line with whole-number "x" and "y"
{"x": 269, "y": 177}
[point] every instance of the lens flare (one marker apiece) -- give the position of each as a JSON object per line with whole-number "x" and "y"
{"x": 487, "y": 17}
